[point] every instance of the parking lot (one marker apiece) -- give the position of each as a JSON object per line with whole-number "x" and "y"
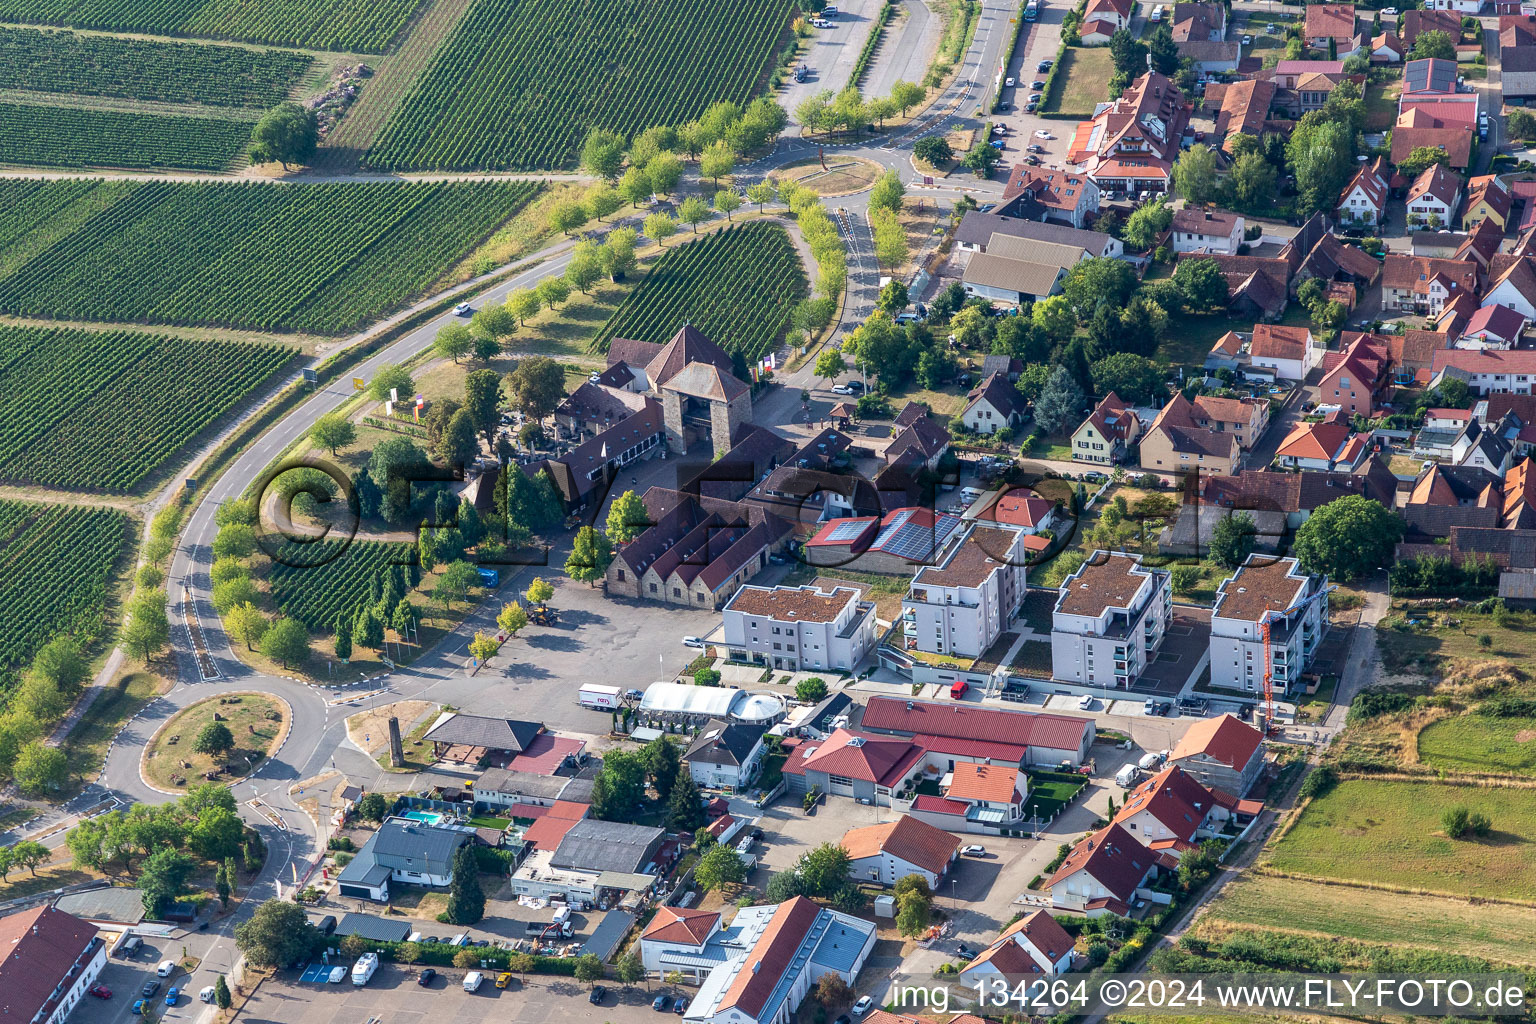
{"x": 126, "y": 979}
{"x": 394, "y": 996}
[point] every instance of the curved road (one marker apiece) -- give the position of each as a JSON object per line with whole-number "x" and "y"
{"x": 317, "y": 739}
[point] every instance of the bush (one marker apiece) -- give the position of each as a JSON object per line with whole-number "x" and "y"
{"x": 1098, "y": 952}
{"x": 340, "y": 843}
{"x": 1375, "y": 703}
{"x": 1322, "y": 779}
{"x": 1456, "y": 821}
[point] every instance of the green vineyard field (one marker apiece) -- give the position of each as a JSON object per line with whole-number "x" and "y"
{"x": 102, "y": 411}
{"x": 323, "y": 258}
{"x": 307, "y": 587}
{"x": 64, "y": 137}
{"x": 737, "y": 286}
{"x": 56, "y": 563}
{"x": 140, "y": 69}
{"x": 358, "y": 26}
{"x": 520, "y": 82}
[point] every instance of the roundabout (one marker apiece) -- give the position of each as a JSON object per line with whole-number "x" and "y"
{"x": 220, "y": 739}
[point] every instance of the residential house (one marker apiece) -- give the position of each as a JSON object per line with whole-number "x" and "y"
{"x": 1353, "y": 378}
{"x": 1239, "y": 108}
{"x": 1364, "y": 200}
{"x": 1267, "y": 603}
{"x": 962, "y": 603}
{"x": 593, "y": 855}
{"x": 1517, "y": 73}
{"x": 1108, "y": 431}
{"x": 788, "y": 949}
{"x": 1482, "y": 244}
{"x": 1291, "y": 352}
{"x": 1493, "y": 326}
{"x": 1211, "y": 57}
{"x": 1515, "y": 32}
{"x": 1488, "y": 372}
{"x": 1470, "y": 7}
{"x": 1109, "y": 621}
{"x": 1202, "y": 22}
{"x": 1512, "y": 283}
{"x": 1177, "y": 442}
{"x": 1034, "y": 944}
{"x": 800, "y": 628}
{"x": 1330, "y": 27}
{"x": 1424, "y": 131}
{"x": 1299, "y": 494}
{"x": 1414, "y": 23}
{"x": 1018, "y": 508}
{"x": 1011, "y": 367}
{"x": 402, "y": 850}
{"x": 894, "y": 543}
{"x": 977, "y": 230}
{"x": 1049, "y": 194}
{"x": 1433, "y": 76}
{"x": 1172, "y": 813}
{"x": 1103, "y": 18}
{"x": 1288, "y": 74}
{"x": 1196, "y": 229}
{"x": 1015, "y": 737}
{"x": 1336, "y": 263}
{"x": 1244, "y": 418}
{"x": 1433, "y": 198}
{"x": 1388, "y": 48}
{"x": 1488, "y": 198}
{"x": 1015, "y": 270}
{"x": 863, "y": 767}
{"x": 1102, "y": 874}
{"x": 726, "y": 755}
{"x": 1257, "y": 285}
{"x": 1329, "y": 445}
{"x": 994, "y": 405}
{"x": 888, "y": 852}
{"x": 1130, "y": 143}
{"x": 1222, "y": 753}
{"x": 1424, "y": 284}
{"x": 678, "y": 939}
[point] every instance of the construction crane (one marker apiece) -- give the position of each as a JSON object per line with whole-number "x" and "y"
{"x": 1269, "y": 682}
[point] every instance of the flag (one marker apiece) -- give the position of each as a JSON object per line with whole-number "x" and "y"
{"x": 394, "y": 394}
{"x": 754, "y": 375}
{"x": 603, "y": 454}
{"x": 769, "y": 360}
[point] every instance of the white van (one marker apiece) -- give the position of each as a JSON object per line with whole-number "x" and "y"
{"x": 472, "y": 981}
{"x": 1156, "y": 15}
{"x": 969, "y": 494}
{"x": 1125, "y": 778}
{"x": 166, "y": 968}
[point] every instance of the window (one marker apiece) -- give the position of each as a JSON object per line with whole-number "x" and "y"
{"x": 621, "y": 575}
{"x": 653, "y": 588}
{"x": 676, "y": 592}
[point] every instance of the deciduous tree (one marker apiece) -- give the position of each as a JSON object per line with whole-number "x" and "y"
{"x": 334, "y": 432}
{"x": 287, "y": 134}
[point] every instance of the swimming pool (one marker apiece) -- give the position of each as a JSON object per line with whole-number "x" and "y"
{"x": 425, "y": 817}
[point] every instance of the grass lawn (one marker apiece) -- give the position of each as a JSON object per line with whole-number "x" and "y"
{"x": 255, "y": 720}
{"x": 1037, "y": 608}
{"x": 1314, "y": 706}
{"x": 1477, "y": 743}
{"x": 885, "y": 591}
{"x": 1442, "y": 640}
{"x": 1033, "y": 659}
{"x": 1045, "y": 448}
{"x": 1498, "y": 933}
{"x": 1390, "y": 833}
{"x": 485, "y": 822}
{"x": 841, "y": 177}
{"x": 1050, "y": 791}
{"x": 1081, "y": 82}
{"x": 1381, "y": 104}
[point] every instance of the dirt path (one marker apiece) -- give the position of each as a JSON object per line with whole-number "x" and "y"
{"x": 392, "y": 80}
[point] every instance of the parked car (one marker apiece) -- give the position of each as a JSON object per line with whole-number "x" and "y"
{"x": 681, "y": 1007}
{"x": 974, "y": 850}
{"x": 1389, "y": 10}
{"x": 1041, "y": 133}
{"x": 965, "y": 952}
{"x": 463, "y": 309}
{"x": 166, "y": 968}
{"x": 662, "y": 1003}
{"x": 858, "y": 385}
{"x": 693, "y": 641}
{"x": 101, "y": 992}
{"x": 503, "y": 979}
{"x": 1150, "y": 707}
{"x": 425, "y": 977}
{"x": 1247, "y": 40}
{"x": 1033, "y": 161}
{"x": 843, "y": 389}
{"x": 1008, "y": 82}
{"x": 150, "y": 988}
{"x": 1086, "y": 702}
{"x": 173, "y": 995}
{"x": 206, "y": 994}
{"x": 338, "y": 975}
{"x": 861, "y": 1007}
{"x": 596, "y": 996}
{"x": 1044, "y": 65}
{"x": 1034, "y": 147}
{"x": 138, "y": 1006}
{"x": 1037, "y": 86}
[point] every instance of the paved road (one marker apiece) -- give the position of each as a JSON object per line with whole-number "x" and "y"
{"x": 908, "y": 47}
{"x": 832, "y": 52}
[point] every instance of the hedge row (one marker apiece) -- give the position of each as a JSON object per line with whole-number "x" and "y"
{"x": 441, "y": 954}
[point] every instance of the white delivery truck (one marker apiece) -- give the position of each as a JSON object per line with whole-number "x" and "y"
{"x": 472, "y": 981}
{"x": 601, "y": 698}
{"x": 1126, "y": 777}
{"x": 364, "y": 969}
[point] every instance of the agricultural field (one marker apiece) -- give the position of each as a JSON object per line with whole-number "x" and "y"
{"x": 78, "y": 137}
{"x": 737, "y": 286}
{"x": 141, "y": 69}
{"x": 55, "y": 564}
{"x": 102, "y": 411}
{"x": 1498, "y": 932}
{"x": 1389, "y": 833}
{"x": 310, "y": 585}
{"x": 356, "y": 26}
{"x": 520, "y": 82}
{"x": 323, "y": 259}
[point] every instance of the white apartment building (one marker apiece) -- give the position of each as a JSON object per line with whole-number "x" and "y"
{"x": 962, "y": 604}
{"x": 48, "y": 961}
{"x": 1295, "y": 603}
{"x": 1110, "y": 619}
{"x": 797, "y": 628}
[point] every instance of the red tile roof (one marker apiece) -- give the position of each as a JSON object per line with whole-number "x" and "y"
{"x": 1334, "y": 21}
{"x": 1176, "y": 800}
{"x": 1436, "y": 182}
{"x": 1487, "y": 361}
{"x": 1277, "y": 342}
{"x": 906, "y": 838}
{"x": 940, "y": 805}
{"x": 674, "y": 924}
{"x": 1040, "y": 930}
{"x": 1007, "y": 958}
{"x": 877, "y": 759}
{"x": 770, "y": 957}
{"x": 1457, "y": 143}
{"x": 1224, "y": 738}
{"x": 37, "y": 947}
{"x": 960, "y": 721}
{"x": 992, "y": 783}
{"x": 1113, "y": 857}
{"x": 1314, "y": 441}
{"x": 1019, "y": 507}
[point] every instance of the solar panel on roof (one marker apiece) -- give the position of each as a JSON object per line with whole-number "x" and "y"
{"x": 848, "y": 530}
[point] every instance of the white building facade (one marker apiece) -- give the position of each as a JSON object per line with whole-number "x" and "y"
{"x": 1295, "y": 606}
{"x": 1109, "y": 621}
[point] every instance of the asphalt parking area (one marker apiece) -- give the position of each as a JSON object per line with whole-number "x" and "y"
{"x": 394, "y": 996}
